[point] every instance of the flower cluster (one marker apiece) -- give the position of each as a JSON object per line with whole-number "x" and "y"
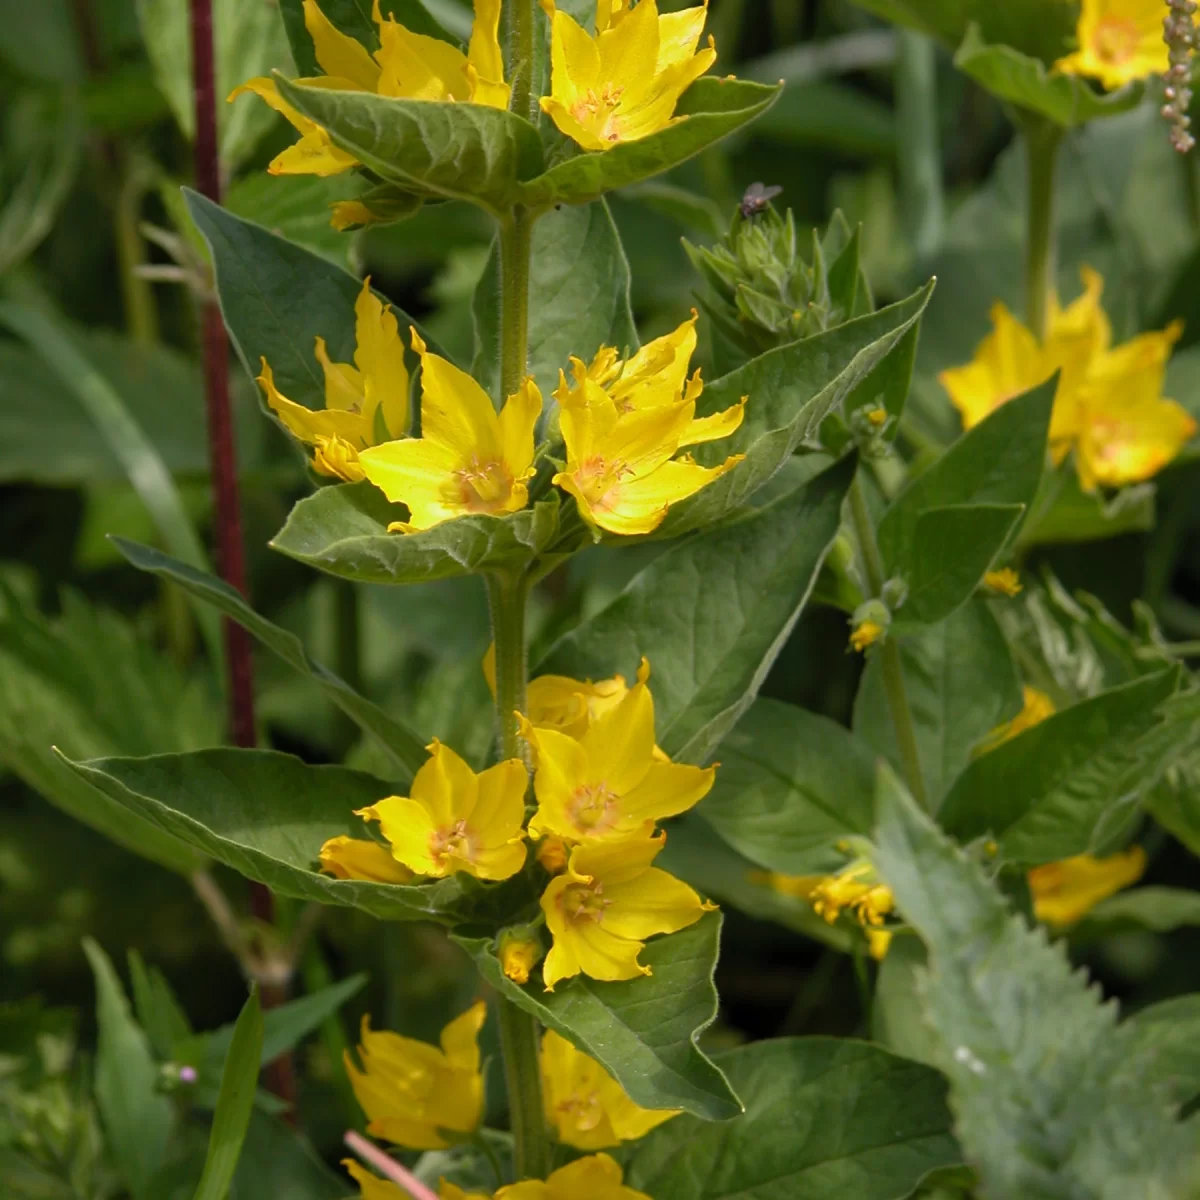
{"x": 1108, "y": 408}
{"x": 601, "y": 784}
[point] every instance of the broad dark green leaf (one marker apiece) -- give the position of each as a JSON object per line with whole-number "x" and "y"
{"x": 643, "y": 1031}
{"x": 791, "y": 784}
{"x": 267, "y": 815}
{"x": 961, "y": 684}
{"x": 1050, "y": 1096}
{"x": 951, "y": 550}
{"x": 713, "y": 107}
{"x": 280, "y": 1163}
{"x": 998, "y": 461}
{"x": 137, "y": 1118}
{"x": 578, "y": 297}
{"x": 234, "y": 1103}
{"x": 712, "y": 614}
{"x": 1168, "y": 1033}
{"x": 343, "y": 530}
{"x": 1041, "y": 794}
{"x": 403, "y": 746}
{"x": 1158, "y": 909}
{"x": 1016, "y": 78}
{"x": 824, "y": 1117}
{"x": 444, "y": 151}
{"x": 1063, "y": 512}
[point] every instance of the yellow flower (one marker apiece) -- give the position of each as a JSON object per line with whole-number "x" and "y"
{"x": 586, "y": 1106}
{"x": 1037, "y": 707}
{"x": 467, "y": 459}
{"x": 597, "y": 1177}
{"x": 373, "y": 1188}
{"x": 412, "y": 1091}
{"x": 1067, "y": 890}
{"x": 857, "y": 889}
{"x": 606, "y": 904}
{"x": 609, "y": 784}
{"x": 519, "y": 953}
{"x": 407, "y": 65}
{"x": 1119, "y": 41}
{"x": 357, "y": 858}
{"x": 457, "y": 820}
{"x": 364, "y": 404}
{"x": 865, "y": 634}
{"x": 879, "y": 942}
{"x": 1004, "y": 582}
{"x": 624, "y": 83}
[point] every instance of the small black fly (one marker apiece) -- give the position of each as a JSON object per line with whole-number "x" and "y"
{"x": 758, "y": 196}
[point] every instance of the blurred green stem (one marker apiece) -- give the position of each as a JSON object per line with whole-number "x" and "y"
{"x": 507, "y": 596}
{"x": 137, "y": 294}
{"x": 516, "y": 248}
{"x": 1042, "y": 140}
{"x": 889, "y": 652}
{"x": 523, "y": 1075}
{"x": 920, "y": 158}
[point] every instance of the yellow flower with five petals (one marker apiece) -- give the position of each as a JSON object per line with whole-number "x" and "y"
{"x": 1119, "y": 41}
{"x": 468, "y": 459}
{"x": 623, "y": 84}
{"x": 457, "y": 820}
{"x": 413, "y": 1093}
{"x": 585, "y": 1105}
{"x": 608, "y": 902}
{"x": 364, "y": 404}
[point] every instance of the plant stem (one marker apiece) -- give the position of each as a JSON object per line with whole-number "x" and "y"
{"x": 889, "y": 652}
{"x": 516, "y": 247}
{"x": 1042, "y": 140}
{"x": 523, "y": 1076}
{"x": 507, "y": 594}
{"x": 920, "y": 159}
{"x": 137, "y": 295}
{"x": 520, "y": 60}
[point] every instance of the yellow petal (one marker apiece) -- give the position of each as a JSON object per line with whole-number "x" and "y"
{"x": 418, "y": 67}
{"x": 357, "y": 858}
{"x": 666, "y": 790}
{"x": 499, "y": 810}
{"x": 1063, "y": 892}
{"x": 679, "y": 35}
{"x": 419, "y": 473}
{"x": 343, "y": 384}
{"x": 712, "y": 428}
{"x": 517, "y": 421}
{"x": 372, "y": 1187}
{"x": 620, "y": 744}
{"x": 641, "y": 505}
{"x": 455, "y": 411}
{"x": 303, "y": 422}
{"x": 338, "y": 53}
{"x": 485, "y": 59}
{"x": 562, "y": 769}
{"x": 409, "y": 829}
{"x": 446, "y": 785}
{"x": 654, "y": 902}
{"x": 380, "y": 358}
{"x": 460, "y": 1039}
{"x": 337, "y": 458}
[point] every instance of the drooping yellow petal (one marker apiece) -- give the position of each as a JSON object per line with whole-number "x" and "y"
{"x": 371, "y": 1186}
{"x": 597, "y": 1177}
{"x": 343, "y": 384}
{"x": 305, "y": 423}
{"x": 314, "y": 153}
{"x": 1119, "y": 41}
{"x": 485, "y": 60}
{"x": 357, "y": 858}
{"x": 379, "y": 356}
{"x": 1064, "y": 892}
{"x": 339, "y": 54}
{"x": 716, "y": 426}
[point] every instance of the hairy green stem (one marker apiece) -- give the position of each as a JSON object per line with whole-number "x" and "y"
{"x": 889, "y": 652}
{"x": 523, "y": 1076}
{"x": 1042, "y": 140}
{"x": 522, "y": 101}
{"x": 516, "y": 247}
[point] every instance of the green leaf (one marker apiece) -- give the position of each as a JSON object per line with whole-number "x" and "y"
{"x": 234, "y": 1103}
{"x": 712, "y": 614}
{"x": 713, "y": 107}
{"x": 1064, "y": 512}
{"x": 343, "y": 530}
{"x": 297, "y": 207}
{"x": 1042, "y": 793}
{"x": 824, "y": 1117}
{"x": 961, "y": 684}
{"x": 642, "y": 1031}
{"x": 158, "y": 1010}
{"x": 791, "y": 390}
{"x": 278, "y": 298}
{"x": 1049, "y": 1096}
{"x": 951, "y": 550}
{"x": 278, "y": 1162}
{"x": 405, "y": 748}
{"x": 137, "y": 1119}
{"x": 578, "y": 297}
{"x": 1067, "y": 100}
{"x": 1158, "y": 909}
{"x": 1168, "y": 1033}
{"x": 791, "y": 784}
{"x": 89, "y": 685}
{"x": 267, "y": 814}
{"x": 998, "y": 461}
{"x": 897, "y": 1016}
{"x": 431, "y": 147}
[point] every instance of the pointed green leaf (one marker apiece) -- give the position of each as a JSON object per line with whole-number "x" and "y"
{"x": 1042, "y": 793}
{"x": 404, "y": 746}
{"x": 961, "y": 684}
{"x": 1158, "y": 909}
{"x": 1050, "y": 1096}
{"x": 712, "y": 614}
{"x": 643, "y": 1031}
{"x": 434, "y": 148}
{"x": 824, "y": 1117}
{"x": 343, "y": 530}
{"x": 267, "y": 814}
{"x": 578, "y": 297}
{"x": 713, "y": 108}
{"x": 1168, "y": 1033}
{"x": 279, "y": 1162}
{"x": 234, "y": 1103}
{"x": 791, "y": 784}
{"x": 158, "y": 1010}
{"x": 1064, "y": 512}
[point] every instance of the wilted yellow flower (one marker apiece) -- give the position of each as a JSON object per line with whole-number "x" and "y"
{"x": 624, "y": 83}
{"x": 1119, "y": 41}
{"x": 1036, "y": 708}
{"x": 865, "y": 634}
{"x": 364, "y": 404}
{"x": 597, "y": 1177}
{"x": 457, "y": 820}
{"x": 358, "y": 858}
{"x": 607, "y": 903}
{"x": 412, "y": 1091}
{"x": 468, "y": 459}
{"x": 586, "y": 1106}
{"x": 373, "y": 1188}
{"x": 519, "y": 952}
{"x": 609, "y": 783}
{"x": 407, "y": 65}
{"x": 1065, "y": 891}
{"x": 1004, "y": 582}
{"x": 857, "y": 889}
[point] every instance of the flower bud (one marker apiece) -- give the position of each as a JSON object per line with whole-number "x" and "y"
{"x": 519, "y": 952}
{"x": 869, "y": 624}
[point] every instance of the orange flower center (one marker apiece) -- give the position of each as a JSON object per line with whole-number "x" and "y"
{"x": 1115, "y": 40}
{"x": 581, "y": 902}
{"x": 593, "y": 806}
{"x": 453, "y": 841}
{"x": 597, "y": 479}
{"x": 485, "y": 484}
{"x": 598, "y": 111}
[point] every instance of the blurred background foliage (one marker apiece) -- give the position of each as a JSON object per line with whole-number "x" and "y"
{"x": 97, "y": 658}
